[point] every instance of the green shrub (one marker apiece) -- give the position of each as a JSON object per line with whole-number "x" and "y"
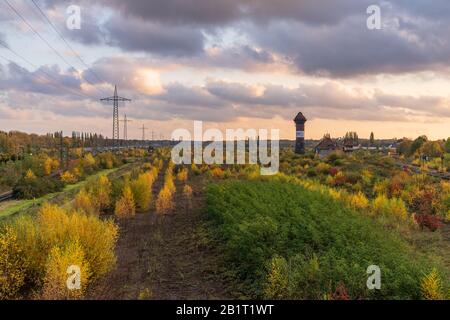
{"x": 325, "y": 244}
{"x": 38, "y": 187}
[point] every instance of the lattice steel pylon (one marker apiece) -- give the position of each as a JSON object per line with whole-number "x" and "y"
{"x": 143, "y": 128}
{"x": 125, "y": 126}
{"x": 115, "y": 99}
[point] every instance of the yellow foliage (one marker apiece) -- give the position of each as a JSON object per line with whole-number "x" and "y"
{"x": 277, "y": 281}
{"x": 84, "y": 202}
{"x": 28, "y": 243}
{"x": 142, "y": 190}
{"x": 68, "y": 177}
{"x": 78, "y": 172}
{"x": 431, "y": 286}
{"x": 182, "y": 175}
{"x": 89, "y": 160}
{"x": 48, "y": 166}
{"x": 96, "y": 237}
{"x": 30, "y": 176}
{"x": 125, "y": 206}
{"x": 187, "y": 191}
{"x": 323, "y": 168}
{"x": 216, "y": 173}
{"x": 195, "y": 170}
{"x": 381, "y": 187}
{"x": 168, "y": 181}
{"x": 12, "y": 264}
{"x": 100, "y": 190}
{"x": 358, "y": 201}
{"x": 77, "y": 152}
{"x": 384, "y": 206}
{"x": 164, "y": 202}
{"x": 59, "y": 273}
{"x": 445, "y": 186}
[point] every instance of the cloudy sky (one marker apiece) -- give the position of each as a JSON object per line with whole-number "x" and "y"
{"x": 229, "y": 63}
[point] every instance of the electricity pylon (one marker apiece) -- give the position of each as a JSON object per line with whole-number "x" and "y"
{"x": 115, "y": 99}
{"x": 143, "y": 133}
{"x": 125, "y": 131}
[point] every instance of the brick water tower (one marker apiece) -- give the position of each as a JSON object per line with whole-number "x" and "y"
{"x": 300, "y": 133}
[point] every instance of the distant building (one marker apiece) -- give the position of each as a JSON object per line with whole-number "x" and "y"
{"x": 350, "y": 145}
{"x": 326, "y": 146}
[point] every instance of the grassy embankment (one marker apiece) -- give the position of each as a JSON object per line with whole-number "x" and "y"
{"x": 284, "y": 241}
{"x": 13, "y": 207}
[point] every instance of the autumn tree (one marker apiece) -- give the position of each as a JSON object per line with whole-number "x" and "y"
{"x": 125, "y": 206}
{"x": 142, "y": 190}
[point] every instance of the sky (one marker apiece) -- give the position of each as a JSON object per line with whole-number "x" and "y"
{"x": 229, "y": 63}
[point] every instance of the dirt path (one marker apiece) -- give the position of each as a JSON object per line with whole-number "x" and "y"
{"x": 166, "y": 257}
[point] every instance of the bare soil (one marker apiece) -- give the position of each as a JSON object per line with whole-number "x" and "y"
{"x": 167, "y": 256}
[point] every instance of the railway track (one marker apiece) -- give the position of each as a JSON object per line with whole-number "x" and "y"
{"x": 6, "y": 196}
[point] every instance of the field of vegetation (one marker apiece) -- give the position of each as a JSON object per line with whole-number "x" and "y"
{"x": 290, "y": 242}
{"x": 154, "y": 230}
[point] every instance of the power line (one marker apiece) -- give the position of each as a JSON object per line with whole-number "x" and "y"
{"x": 57, "y": 82}
{"x": 66, "y": 42}
{"x": 44, "y": 40}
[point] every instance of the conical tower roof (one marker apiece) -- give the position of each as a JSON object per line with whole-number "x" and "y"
{"x": 300, "y": 118}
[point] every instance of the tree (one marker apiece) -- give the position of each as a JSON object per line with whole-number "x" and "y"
{"x": 125, "y": 206}
{"x": 432, "y": 149}
{"x": 142, "y": 190}
{"x": 447, "y": 146}
{"x": 417, "y": 144}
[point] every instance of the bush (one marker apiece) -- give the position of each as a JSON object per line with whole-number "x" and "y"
{"x": 195, "y": 170}
{"x": 37, "y": 187}
{"x": 164, "y": 202}
{"x": 429, "y": 221}
{"x": 431, "y": 286}
{"x": 54, "y": 227}
{"x": 125, "y": 206}
{"x": 323, "y": 242}
{"x": 100, "y": 189}
{"x": 277, "y": 282}
{"x": 12, "y": 264}
{"x": 358, "y": 201}
{"x": 142, "y": 191}
{"x": 394, "y": 207}
{"x": 187, "y": 193}
{"x": 86, "y": 203}
{"x": 182, "y": 175}
{"x": 68, "y": 177}
{"x": 56, "y": 275}
{"x": 96, "y": 237}
{"x": 323, "y": 168}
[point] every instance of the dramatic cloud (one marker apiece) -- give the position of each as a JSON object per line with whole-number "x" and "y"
{"x": 45, "y": 80}
{"x": 273, "y": 58}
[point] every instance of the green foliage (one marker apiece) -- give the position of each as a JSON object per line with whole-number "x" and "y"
{"x": 447, "y": 145}
{"x": 34, "y": 188}
{"x": 324, "y": 244}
